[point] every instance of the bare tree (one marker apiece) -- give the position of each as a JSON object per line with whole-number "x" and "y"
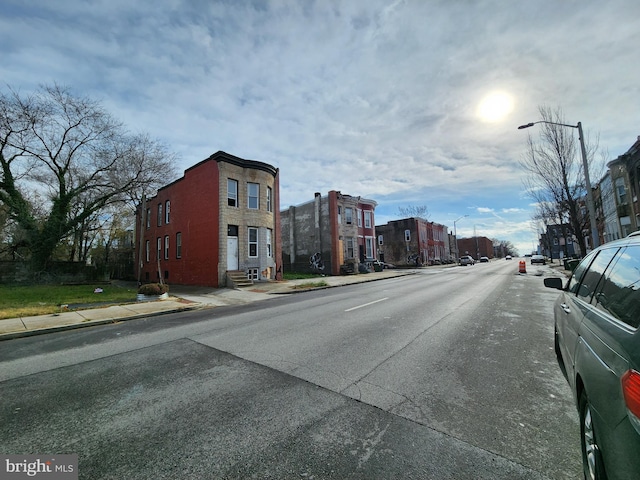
{"x": 556, "y": 179}
{"x": 416, "y": 211}
{"x": 77, "y": 158}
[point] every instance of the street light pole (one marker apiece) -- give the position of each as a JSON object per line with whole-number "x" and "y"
{"x": 595, "y": 240}
{"x": 455, "y": 235}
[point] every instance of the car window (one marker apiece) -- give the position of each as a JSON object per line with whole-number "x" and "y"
{"x": 574, "y": 281}
{"x": 592, "y": 277}
{"x": 620, "y": 292}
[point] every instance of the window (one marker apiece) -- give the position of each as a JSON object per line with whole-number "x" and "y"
{"x": 359, "y": 214}
{"x": 232, "y": 193}
{"x": 158, "y": 248}
{"x": 148, "y": 218}
{"x": 369, "y": 246}
{"x": 159, "y": 214}
{"x": 574, "y": 281}
{"x": 590, "y": 280}
{"x": 380, "y": 240}
{"x": 621, "y": 191}
{"x": 253, "y": 242}
{"x": 339, "y": 215}
{"x": 348, "y": 215}
{"x": 269, "y": 250}
{"x": 146, "y": 250}
{"x": 167, "y": 209}
{"x": 367, "y": 219}
{"x": 252, "y": 274}
{"x": 253, "y": 196}
{"x": 620, "y": 292}
{"x": 349, "y": 247}
{"x": 269, "y": 200}
{"x": 179, "y": 245}
{"x": 166, "y": 247}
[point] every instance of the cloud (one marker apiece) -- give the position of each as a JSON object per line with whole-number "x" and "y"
{"x": 356, "y": 96}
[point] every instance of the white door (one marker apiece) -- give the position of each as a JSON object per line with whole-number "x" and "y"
{"x": 232, "y": 253}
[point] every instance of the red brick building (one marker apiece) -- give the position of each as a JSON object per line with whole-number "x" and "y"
{"x": 222, "y": 215}
{"x": 329, "y": 233}
{"x": 476, "y": 247}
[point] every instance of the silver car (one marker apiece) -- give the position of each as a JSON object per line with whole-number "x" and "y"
{"x": 598, "y": 346}
{"x": 467, "y": 260}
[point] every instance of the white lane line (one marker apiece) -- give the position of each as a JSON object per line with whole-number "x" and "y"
{"x": 366, "y": 304}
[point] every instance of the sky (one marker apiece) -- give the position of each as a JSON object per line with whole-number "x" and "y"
{"x": 405, "y": 102}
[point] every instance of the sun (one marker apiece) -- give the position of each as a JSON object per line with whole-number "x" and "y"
{"x": 495, "y": 106}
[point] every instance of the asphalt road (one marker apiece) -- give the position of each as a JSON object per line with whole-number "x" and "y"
{"x": 445, "y": 374}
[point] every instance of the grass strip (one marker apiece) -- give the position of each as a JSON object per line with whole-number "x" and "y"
{"x": 27, "y": 301}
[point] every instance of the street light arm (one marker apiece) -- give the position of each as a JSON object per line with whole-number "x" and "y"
{"x": 550, "y": 123}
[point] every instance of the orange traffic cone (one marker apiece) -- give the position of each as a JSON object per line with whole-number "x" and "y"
{"x": 522, "y": 266}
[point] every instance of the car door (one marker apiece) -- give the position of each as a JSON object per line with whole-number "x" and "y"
{"x": 607, "y": 328}
{"x": 569, "y": 310}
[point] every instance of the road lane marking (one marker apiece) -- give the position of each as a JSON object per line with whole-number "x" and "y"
{"x": 366, "y": 304}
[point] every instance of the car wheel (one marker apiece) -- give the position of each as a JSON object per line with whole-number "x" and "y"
{"x": 591, "y": 455}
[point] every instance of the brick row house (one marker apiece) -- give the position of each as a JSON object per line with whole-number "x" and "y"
{"x": 330, "y": 234}
{"x": 221, "y": 216}
{"x": 413, "y": 242}
{"x": 476, "y": 247}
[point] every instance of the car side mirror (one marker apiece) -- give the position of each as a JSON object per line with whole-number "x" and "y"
{"x": 553, "y": 282}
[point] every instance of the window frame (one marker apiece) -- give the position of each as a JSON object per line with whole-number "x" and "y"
{"x": 160, "y": 214}
{"x": 350, "y": 247}
{"x": 348, "y": 215}
{"x": 368, "y": 246}
{"x": 232, "y": 197}
{"x": 269, "y": 236}
{"x": 255, "y": 198}
{"x": 252, "y": 243}
{"x": 167, "y": 211}
{"x": 269, "y": 199}
{"x": 368, "y": 219}
{"x": 179, "y": 245}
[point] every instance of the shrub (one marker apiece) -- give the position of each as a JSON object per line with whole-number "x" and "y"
{"x": 153, "y": 289}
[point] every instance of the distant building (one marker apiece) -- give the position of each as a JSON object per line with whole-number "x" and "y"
{"x": 476, "y": 247}
{"x": 222, "y": 215}
{"x": 333, "y": 234}
{"x": 558, "y": 242}
{"x": 413, "y": 242}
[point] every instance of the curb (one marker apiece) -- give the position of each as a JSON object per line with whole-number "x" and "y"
{"x": 91, "y": 323}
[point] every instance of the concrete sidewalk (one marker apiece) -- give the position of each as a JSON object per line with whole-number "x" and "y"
{"x": 182, "y": 298}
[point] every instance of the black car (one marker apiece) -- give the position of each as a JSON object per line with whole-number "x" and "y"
{"x": 598, "y": 346}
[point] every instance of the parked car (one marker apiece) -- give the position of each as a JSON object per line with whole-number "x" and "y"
{"x": 508, "y": 257}
{"x": 597, "y": 342}
{"x": 538, "y": 259}
{"x": 467, "y": 260}
{"x": 484, "y": 259}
